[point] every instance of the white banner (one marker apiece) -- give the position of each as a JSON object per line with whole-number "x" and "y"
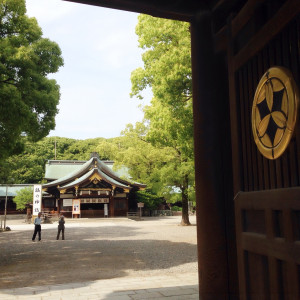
{"x": 37, "y": 199}
{"x": 67, "y": 202}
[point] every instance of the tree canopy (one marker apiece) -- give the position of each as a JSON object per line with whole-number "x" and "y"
{"x": 29, "y": 166}
{"x": 168, "y": 118}
{"x": 23, "y": 197}
{"x": 29, "y": 98}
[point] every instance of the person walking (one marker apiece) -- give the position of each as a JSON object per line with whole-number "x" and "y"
{"x": 61, "y": 227}
{"x": 37, "y": 227}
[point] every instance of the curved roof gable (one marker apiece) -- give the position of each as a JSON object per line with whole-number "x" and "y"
{"x": 94, "y": 165}
{"x": 90, "y": 174}
{"x": 71, "y": 176}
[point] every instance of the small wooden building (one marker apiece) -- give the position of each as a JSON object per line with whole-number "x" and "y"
{"x": 92, "y": 184}
{"x": 7, "y": 193}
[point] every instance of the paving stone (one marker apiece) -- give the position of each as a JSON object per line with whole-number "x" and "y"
{"x": 51, "y": 298}
{"x": 7, "y": 297}
{"x": 146, "y": 295}
{"x": 177, "y": 291}
{"x": 117, "y": 293}
{"x": 120, "y": 297}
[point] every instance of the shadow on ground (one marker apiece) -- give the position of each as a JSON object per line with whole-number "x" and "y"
{"x": 87, "y": 254}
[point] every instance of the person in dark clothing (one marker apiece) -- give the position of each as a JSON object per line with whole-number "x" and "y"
{"x": 61, "y": 227}
{"x": 37, "y": 226}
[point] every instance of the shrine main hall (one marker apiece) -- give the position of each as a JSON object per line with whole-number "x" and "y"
{"x": 87, "y": 189}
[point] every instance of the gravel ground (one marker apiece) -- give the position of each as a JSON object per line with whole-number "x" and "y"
{"x": 96, "y": 249}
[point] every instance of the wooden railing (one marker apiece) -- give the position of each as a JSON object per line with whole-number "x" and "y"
{"x": 133, "y": 215}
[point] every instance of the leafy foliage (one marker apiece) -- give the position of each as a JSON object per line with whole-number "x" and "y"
{"x": 150, "y": 200}
{"x": 29, "y": 166}
{"x": 23, "y": 197}
{"x": 28, "y": 97}
{"x": 168, "y": 119}
{"x": 176, "y": 208}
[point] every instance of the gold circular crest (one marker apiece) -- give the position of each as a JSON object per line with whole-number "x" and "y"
{"x": 274, "y": 111}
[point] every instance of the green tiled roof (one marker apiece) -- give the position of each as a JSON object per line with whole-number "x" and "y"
{"x": 56, "y": 169}
{"x": 59, "y": 168}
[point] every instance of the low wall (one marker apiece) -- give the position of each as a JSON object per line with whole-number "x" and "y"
{"x": 156, "y": 213}
{"x": 177, "y": 213}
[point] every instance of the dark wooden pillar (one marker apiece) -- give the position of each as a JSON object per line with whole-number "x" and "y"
{"x": 212, "y": 164}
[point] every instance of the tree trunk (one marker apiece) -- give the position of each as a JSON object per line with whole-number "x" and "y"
{"x": 185, "y": 203}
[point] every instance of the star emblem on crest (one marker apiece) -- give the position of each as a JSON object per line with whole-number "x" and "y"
{"x": 273, "y": 118}
{"x": 274, "y": 112}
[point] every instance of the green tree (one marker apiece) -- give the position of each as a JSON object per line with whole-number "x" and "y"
{"x": 23, "y": 197}
{"x": 151, "y": 201}
{"x": 29, "y": 166}
{"x": 144, "y": 160}
{"x": 28, "y": 97}
{"x": 167, "y": 71}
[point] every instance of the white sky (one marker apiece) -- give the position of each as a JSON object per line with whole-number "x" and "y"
{"x": 100, "y": 50}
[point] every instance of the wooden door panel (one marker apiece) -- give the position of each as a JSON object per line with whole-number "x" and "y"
{"x": 267, "y": 201}
{"x": 268, "y": 243}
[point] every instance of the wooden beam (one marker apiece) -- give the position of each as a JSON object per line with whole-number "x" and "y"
{"x": 177, "y": 10}
{"x": 238, "y": 22}
{"x": 286, "y": 13}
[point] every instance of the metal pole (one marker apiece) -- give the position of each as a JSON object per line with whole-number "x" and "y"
{"x": 55, "y": 149}
{"x": 5, "y": 207}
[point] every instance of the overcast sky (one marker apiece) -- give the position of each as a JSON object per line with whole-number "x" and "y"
{"x": 100, "y": 50}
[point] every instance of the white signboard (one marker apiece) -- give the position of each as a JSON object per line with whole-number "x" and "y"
{"x": 76, "y": 207}
{"x": 106, "y": 210}
{"x": 94, "y": 200}
{"x": 140, "y": 204}
{"x": 37, "y": 199}
{"x": 67, "y": 202}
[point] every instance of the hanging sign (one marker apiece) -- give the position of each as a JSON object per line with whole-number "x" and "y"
{"x": 76, "y": 207}
{"x": 94, "y": 200}
{"x": 37, "y": 199}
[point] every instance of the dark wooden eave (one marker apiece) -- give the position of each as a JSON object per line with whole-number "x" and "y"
{"x": 182, "y": 10}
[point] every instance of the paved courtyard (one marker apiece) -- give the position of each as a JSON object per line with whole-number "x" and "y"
{"x": 100, "y": 259}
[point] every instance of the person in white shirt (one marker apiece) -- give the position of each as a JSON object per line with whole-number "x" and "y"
{"x": 37, "y": 227}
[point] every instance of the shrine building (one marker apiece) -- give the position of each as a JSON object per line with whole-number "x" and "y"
{"x": 86, "y": 188}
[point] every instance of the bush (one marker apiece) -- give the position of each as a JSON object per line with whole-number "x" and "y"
{"x": 176, "y": 208}
{"x": 150, "y": 200}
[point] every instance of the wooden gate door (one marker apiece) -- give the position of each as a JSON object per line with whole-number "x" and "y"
{"x": 266, "y": 34}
